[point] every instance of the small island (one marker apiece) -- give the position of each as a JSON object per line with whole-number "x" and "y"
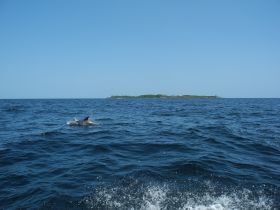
{"x": 161, "y": 96}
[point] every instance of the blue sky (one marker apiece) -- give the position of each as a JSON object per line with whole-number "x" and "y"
{"x": 92, "y": 49}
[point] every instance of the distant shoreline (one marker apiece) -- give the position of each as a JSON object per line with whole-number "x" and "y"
{"x": 160, "y": 96}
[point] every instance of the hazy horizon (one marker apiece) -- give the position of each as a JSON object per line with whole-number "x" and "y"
{"x": 108, "y": 97}
{"x": 96, "y": 49}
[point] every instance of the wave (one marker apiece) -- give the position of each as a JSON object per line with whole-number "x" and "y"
{"x": 142, "y": 155}
{"x": 153, "y": 196}
{"x": 104, "y": 119}
{"x": 192, "y": 168}
{"x": 96, "y": 133}
{"x": 14, "y": 109}
{"x": 52, "y": 133}
{"x": 264, "y": 149}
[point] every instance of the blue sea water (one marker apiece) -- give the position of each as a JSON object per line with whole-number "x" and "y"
{"x": 190, "y": 154}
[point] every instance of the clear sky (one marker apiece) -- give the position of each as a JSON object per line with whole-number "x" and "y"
{"x": 92, "y": 49}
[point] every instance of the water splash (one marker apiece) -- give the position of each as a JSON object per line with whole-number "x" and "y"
{"x": 163, "y": 197}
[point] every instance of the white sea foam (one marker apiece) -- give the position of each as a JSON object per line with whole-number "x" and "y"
{"x": 163, "y": 198}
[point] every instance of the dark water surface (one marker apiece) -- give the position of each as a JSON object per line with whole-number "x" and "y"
{"x": 143, "y": 154}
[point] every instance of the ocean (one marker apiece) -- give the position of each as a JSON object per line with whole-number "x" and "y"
{"x": 191, "y": 154}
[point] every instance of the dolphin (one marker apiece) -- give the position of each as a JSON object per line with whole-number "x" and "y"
{"x": 85, "y": 122}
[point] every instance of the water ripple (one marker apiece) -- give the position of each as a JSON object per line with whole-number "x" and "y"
{"x": 143, "y": 154}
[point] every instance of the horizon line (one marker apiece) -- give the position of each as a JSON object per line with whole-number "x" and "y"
{"x": 71, "y": 98}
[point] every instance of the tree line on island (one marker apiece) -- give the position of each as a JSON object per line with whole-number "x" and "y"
{"x": 161, "y": 96}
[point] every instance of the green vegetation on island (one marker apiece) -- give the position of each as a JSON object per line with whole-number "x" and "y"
{"x": 161, "y": 96}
